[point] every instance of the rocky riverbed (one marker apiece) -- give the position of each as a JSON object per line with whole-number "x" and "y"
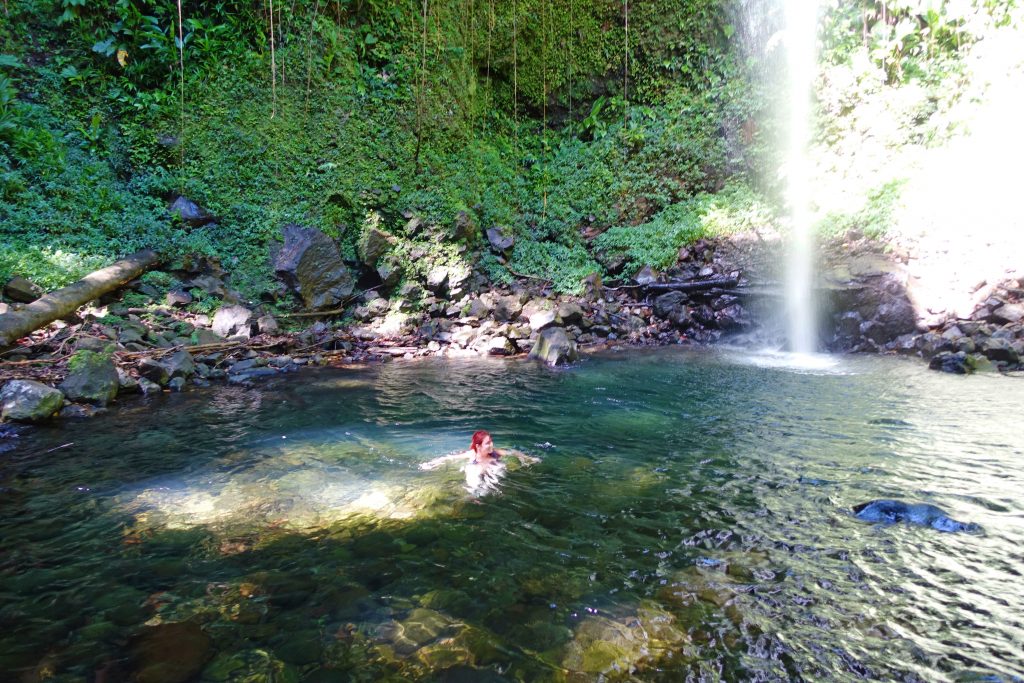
{"x": 718, "y": 290}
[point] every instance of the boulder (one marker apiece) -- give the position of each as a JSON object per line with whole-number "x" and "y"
{"x": 570, "y": 313}
{"x": 177, "y": 297}
{"x": 996, "y": 349}
{"x": 554, "y": 347}
{"x": 92, "y": 378}
{"x": 179, "y": 364}
{"x": 233, "y": 321}
{"x": 646, "y": 276}
{"x": 190, "y": 213}
{"x": 267, "y": 324}
{"x": 25, "y": 400}
{"x": 310, "y": 264}
{"x": 1009, "y": 313}
{"x": 947, "y": 361}
{"x": 507, "y": 308}
{"x": 389, "y": 270}
{"x": 593, "y": 288}
{"x": 373, "y": 244}
{"x": 170, "y": 652}
{"x": 543, "y": 319}
{"x": 464, "y": 227}
{"x": 21, "y": 290}
{"x": 437, "y": 280}
{"x": 154, "y": 372}
{"x": 377, "y": 307}
{"x": 672, "y": 307}
{"x": 500, "y": 239}
{"x": 499, "y": 346}
{"x": 894, "y": 318}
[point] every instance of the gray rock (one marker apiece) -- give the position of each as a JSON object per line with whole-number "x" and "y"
{"x": 176, "y": 384}
{"x": 437, "y": 280}
{"x": 178, "y": 297}
{"x": 80, "y": 411}
{"x": 672, "y": 307}
{"x": 154, "y": 372}
{"x": 499, "y": 238}
{"x": 203, "y": 336}
{"x": 25, "y": 400}
{"x": 646, "y": 276}
{"x": 126, "y": 383}
{"x": 179, "y": 364}
{"x": 554, "y": 347}
{"x": 507, "y": 308}
{"x": 542, "y": 320}
{"x": 92, "y": 378}
{"x": 190, "y": 213}
{"x": 1009, "y": 313}
{"x": 310, "y": 264}
{"x": 377, "y": 307}
{"x": 996, "y": 349}
{"x": 268, "y": 325}
{"x": 389, "y": 271}
{"x": 21, "y": 290}
{"x": 947, "y": 361}
{"x": 477, "y": 308}
{"x": 148, "y": 387}
{"x": 233, "y": 321}
{"x": 570, "y": 313}
{"x": 373, "y": 244}
{"x": 464, "y": 227}
{"x": 499, "y": 346}
{"x": 4, "y": 308}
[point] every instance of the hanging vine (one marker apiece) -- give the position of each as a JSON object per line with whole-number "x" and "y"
{"x": 421, "y": 90}
{"x": 273, "y": 65}
{"x": 181, "y": 102}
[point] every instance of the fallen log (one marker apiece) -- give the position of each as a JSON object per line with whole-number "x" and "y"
{"x": 62, "y": 302}
{"x": 693, "y": 285}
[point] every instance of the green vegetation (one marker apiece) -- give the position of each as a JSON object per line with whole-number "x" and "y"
{"x": 541, "y": 116}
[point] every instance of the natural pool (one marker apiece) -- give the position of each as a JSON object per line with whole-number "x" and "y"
{"x": 690, "y": 519}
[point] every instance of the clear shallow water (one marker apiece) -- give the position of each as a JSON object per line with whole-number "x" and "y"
{"x": 690, "y": 519}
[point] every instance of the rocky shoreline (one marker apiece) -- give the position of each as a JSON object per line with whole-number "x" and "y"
{"x": 717, "y": 290}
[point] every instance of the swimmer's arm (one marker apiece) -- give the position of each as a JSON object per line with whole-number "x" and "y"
{"x": 437, "y": 462}
{"x": 519, "y": 455}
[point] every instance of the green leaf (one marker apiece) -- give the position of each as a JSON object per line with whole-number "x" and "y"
{"x": 104, "y": 47}
{"x": 11, "y": 61}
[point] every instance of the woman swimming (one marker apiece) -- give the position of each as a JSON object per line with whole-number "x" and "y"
{"x": 484, "y": 465}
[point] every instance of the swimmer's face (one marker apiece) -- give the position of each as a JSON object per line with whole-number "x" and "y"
{"x": 486, "y": 446}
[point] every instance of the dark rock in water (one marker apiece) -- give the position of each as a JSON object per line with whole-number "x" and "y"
{"x": 892, "y": 511}
{"x": 25, "y": 400}
{"x": 180, "y": 364}
{"x": 153, "y": 371}
{"x": 22, "y": 290}
{"x": 170, "y": 653}
{"x": 948, "y": 361}
{"x": 554, "y": 347}
{"x": 80, "y": 411}
{"x": 310, "y": 263}
{"x": 190, "y": 213}
{"x": 233, "y": 321}
{"x": 93, "y": 378}
{"x": 499, "y": 239}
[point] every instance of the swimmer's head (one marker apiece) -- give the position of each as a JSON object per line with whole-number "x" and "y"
{"x": 483, "y": 444}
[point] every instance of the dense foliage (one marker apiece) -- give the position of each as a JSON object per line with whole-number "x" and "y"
{"x": 557, "y": 119}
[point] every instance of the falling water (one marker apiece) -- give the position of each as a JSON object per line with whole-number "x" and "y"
{"x": 800, "y": 39}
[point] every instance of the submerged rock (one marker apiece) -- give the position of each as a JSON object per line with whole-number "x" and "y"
{"x": 892, "y": 511}
{"x": 25, "y": 400}
{"x": 170, "y": 653}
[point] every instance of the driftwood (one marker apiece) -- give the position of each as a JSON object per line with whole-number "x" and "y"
{"x": 693, "y": 285}
{"x": 64, "y": 301}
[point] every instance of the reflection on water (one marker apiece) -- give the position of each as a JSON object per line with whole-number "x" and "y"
{"x": 690, "y": 518}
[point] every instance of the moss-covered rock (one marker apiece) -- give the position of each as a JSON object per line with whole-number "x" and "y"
{"x": 25, "y": 400}
{"x": 92, "y": 378}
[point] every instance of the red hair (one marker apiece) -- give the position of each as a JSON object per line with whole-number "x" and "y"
{"x": 478, "y": 438}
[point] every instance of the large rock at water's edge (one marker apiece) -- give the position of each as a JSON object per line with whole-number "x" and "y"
{"x": 25, "y": 400}
{"x": 554, "y": 347}
{"x": 233, "y": 321}
{"x": 949, "y": 361}
{"x": 310, "y": 264}
{"x": 92, "y": 378}
{"x": 177, "y": 365}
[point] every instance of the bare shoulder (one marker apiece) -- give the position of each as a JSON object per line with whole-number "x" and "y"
{"x": 437, "y": 462}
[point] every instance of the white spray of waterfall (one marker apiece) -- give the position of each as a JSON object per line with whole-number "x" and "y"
{"x": 800, "y": 40}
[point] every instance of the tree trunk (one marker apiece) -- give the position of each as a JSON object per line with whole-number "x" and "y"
{"x": 693, "y": 285}
{"x": 63, "y": 302}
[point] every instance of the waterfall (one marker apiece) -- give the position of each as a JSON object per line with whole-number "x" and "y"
{"x": 800, "y": 40}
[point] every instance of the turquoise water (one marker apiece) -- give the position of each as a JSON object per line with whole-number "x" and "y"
{"x": 689, "y": 519}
